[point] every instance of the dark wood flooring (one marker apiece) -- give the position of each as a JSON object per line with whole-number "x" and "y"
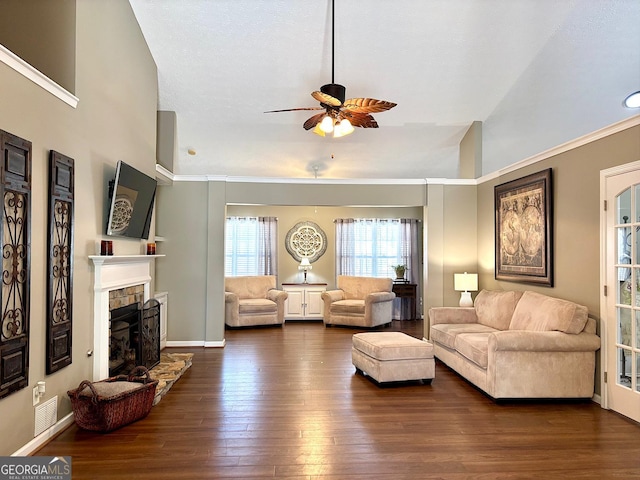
{"x": 285, "y": 403}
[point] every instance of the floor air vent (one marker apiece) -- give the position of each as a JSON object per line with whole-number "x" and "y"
{"x": 46, "y": 415}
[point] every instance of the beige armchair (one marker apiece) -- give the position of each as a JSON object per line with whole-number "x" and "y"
{"x": 359, "y": 302}
{"x": 253, "y": 300}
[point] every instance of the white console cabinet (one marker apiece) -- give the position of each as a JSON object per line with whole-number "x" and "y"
{"x": 304, "y": 301}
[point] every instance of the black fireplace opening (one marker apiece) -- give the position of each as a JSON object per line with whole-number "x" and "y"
{"x": 134, "y": 337}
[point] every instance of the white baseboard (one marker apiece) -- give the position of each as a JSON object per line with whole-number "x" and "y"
{"x": 197, "y": 343}
{"x": 44, "y": 437}
{"x": 185, "y": 343}
{"x": 596, "y": 399}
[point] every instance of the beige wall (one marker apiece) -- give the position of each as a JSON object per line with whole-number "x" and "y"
{"x": 206, "y": 261}
{"x": 116, "y": 82}
{"x": 324, "y": 270}
{"x": 43, "y": 33}
{"x": 182, "y": 273}
{"x": 451, "y": 241}
{"x": 576, "y": 194}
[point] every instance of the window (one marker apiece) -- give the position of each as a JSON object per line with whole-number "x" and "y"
{"x": 371, "y": 247}
{"x": 250, "y": 246}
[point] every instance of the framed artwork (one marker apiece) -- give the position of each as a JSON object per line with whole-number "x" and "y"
{"x": 306, "y": 239}
{"x": 523, "y": 222}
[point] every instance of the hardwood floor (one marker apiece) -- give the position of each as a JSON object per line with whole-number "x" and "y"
{"x": 285, "y": 403}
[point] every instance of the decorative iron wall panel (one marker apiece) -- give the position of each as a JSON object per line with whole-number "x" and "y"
{"x": 60, "y": 262}
{"x": 15, "y": 190}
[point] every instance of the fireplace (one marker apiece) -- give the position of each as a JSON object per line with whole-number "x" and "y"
{"x": 112, "y": 273}
{"x": 124, "y": 339}
{"x": 134, "y": 337}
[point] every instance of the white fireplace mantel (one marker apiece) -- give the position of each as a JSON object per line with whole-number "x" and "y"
{"x": 112, "y": 273}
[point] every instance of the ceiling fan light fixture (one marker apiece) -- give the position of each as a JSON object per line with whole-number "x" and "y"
{"x": 632, "y": 101}
{"x": 318, "y": 131}
{"x": 326, "y": 125}
{"x": 343, "y": 128}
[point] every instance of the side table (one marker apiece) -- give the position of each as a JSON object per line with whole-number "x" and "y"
{"x": 408, "y": 291}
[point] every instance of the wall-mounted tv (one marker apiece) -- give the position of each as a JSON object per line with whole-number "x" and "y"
{"x": 131, "y": 196}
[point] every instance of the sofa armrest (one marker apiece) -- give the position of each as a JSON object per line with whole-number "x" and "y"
{"x": 377, "y": 297}
{"x": 230, "y": 297}
{"x": 452, "y": 315}
{"x": 331, "y": 296}
{"x": 278, "y": 296}
{"x": 527, "y": 341}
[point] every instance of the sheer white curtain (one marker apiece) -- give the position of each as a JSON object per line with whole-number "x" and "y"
{"x": 372, "y": 246}
{"x": 345, "y": 246}
{"x": 268, "y": 245}
{"x": 410, "y": 248}
{"x": 251, "y": 246}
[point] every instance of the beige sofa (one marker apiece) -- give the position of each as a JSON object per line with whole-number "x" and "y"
{"x": 253, "y": 300}
{"x": 359, "y": 302}
{"x": 519, "y": 345}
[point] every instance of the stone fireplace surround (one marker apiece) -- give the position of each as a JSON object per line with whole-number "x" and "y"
{"x": 113, "y": 273}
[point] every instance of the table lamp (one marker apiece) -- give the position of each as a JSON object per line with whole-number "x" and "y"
{"x": 304, "y": 266}
{"x": 465, "y": 283}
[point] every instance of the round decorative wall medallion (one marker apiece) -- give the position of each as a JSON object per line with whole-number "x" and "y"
{"x": 306, "y": 239}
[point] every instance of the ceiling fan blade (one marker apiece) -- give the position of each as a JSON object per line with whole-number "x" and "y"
{"x": 326, "y": 99}
{"x": 295, "y": 109}
{"x": 313, "y": 121}
{"x": 362, "y": 120}
{"x": 367, "y": 105}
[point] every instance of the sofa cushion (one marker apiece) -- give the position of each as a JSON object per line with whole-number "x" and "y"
{"x": 537, "y": 312}
{"x": 474, "y": 346}
{"x": 445, "y": 333}
{"x": 255, "y": 286}
{"x": 495, "y": 308}
{"x": 360, "y": 287}
{"x": 257, "y": 305}
{"x": 392, "y": 346}
{"x": 348, "y": 307}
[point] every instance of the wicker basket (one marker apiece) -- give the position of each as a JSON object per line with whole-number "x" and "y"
{"x": 113, "y": 403}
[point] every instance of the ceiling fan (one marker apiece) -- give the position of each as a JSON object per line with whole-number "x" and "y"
{"x": 339, "y": 115}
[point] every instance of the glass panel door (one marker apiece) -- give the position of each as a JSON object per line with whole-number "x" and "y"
{"x": 623, "y": 307}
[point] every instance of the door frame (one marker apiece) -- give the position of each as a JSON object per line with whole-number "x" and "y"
{"x": 604, "y": 334}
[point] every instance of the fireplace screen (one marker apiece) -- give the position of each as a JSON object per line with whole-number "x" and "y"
{"x": 134, "y": 337}
{"x": 151, "y": 333}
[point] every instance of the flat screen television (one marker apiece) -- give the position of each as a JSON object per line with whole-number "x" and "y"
{"x": 131, "y": 196}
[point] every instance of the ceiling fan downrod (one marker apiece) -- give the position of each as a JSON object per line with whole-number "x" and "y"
{"x": 334, "y": 89}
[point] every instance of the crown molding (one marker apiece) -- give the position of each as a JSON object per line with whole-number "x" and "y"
{"x": 329, "y": 181}
{"x": 565, "y": 147}
{"x": 36, "y": 76}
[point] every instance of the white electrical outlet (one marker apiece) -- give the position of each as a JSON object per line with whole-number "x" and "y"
{"x": 38, "y": 392}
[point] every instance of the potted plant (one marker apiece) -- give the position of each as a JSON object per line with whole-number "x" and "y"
{"x": 400, "y": 271}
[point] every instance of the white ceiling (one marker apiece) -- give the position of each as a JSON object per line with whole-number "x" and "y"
{"x": 537, "y": 73}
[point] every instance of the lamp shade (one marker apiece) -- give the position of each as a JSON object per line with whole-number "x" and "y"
{"x": 465, "y": 282}
{"x": 304, "y": 264}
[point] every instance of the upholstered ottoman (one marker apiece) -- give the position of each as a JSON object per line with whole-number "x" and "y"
{"x": 393, "y": 357}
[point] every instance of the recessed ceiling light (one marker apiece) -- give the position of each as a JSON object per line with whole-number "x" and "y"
{"x": 632, "y": 101}
{"x": 191, "y": 151}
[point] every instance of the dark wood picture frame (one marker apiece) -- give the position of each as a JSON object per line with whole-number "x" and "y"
{"x": 524, "y": 229}
{"x": 60, "y": 262}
